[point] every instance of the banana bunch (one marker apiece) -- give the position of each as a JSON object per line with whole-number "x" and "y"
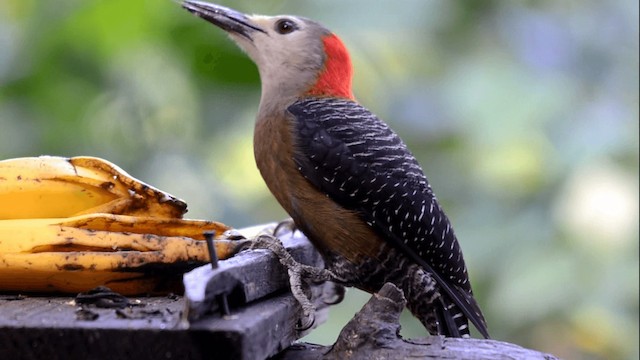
{"x": 71, "y": 224}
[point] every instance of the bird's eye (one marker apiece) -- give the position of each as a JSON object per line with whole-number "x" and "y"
{"x": 285, "y": 26}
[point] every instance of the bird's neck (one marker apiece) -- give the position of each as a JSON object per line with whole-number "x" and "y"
{"x": 334, "y": 79}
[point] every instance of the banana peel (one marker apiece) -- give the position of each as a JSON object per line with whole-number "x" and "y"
{"x": 68, "y": 225}
{"x": 56, "y": 187}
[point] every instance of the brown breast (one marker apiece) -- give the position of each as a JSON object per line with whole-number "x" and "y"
{"x": 329, "y": 226}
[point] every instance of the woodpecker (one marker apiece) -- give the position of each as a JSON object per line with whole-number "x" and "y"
{"x": 347, "y": 180}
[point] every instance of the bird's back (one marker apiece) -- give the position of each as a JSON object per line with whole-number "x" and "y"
{"x": 354, "y": 158}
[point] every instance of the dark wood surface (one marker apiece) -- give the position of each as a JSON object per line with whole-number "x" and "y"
{"x": 50, "y": 328}
{"x": 263, "y": 317}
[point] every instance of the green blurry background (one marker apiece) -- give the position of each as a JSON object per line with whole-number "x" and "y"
{"x": 524, "y": 115}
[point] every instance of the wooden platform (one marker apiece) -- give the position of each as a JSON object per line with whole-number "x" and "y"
{"x": 56, "y": 328}
{"x": 156, "y": 327}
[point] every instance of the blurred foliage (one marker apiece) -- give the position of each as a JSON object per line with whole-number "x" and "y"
{"x": 524, "y": 115}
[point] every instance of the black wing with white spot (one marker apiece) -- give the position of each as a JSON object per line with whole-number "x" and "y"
{"x": 355, "y": 158}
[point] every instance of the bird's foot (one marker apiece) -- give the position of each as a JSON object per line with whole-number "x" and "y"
{"x": 299, "y": 277}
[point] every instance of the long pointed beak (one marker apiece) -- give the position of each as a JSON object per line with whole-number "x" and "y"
{"x": 227, "y": 19}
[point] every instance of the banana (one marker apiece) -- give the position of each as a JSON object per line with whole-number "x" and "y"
{"x": 56, "y": 187}
{"x": 70, "y": 224}
{"x": 130, "y": 254}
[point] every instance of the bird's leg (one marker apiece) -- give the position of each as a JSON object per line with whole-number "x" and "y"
{"x": 332, "y": 294}
{"x": 299, "y": 275}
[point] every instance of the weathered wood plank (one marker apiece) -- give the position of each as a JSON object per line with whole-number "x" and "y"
{"x": 374, "y": 334}
{"x": 262, "y": 323}
{"x": 43, "y": 328}
{"x": 63, "y": 312}
{"x": 248, "y": 276}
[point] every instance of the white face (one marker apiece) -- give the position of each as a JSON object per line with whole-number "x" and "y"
{"x": 289, "y": 53}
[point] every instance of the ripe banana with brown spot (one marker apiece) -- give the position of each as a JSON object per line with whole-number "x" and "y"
{"x": 56, "y": 187}
{"x": 71, "y": 224}
{"x": 76, "y": 254}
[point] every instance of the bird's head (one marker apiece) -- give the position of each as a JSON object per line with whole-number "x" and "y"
{"x": 295, "y": 56}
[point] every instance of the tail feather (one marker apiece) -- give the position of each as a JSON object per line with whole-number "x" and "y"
{"x": 462, "y": 299}
{"x": 448, "y": 318}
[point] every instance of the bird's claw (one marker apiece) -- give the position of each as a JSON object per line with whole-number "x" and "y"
{"x": 299, "y": 277}
{"x": 306, "y": 322}
{"x": 287, "y": 224}
{"x": 333, "y": 293}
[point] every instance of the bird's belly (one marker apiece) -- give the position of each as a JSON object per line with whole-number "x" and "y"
{"x": 331, "y": 228}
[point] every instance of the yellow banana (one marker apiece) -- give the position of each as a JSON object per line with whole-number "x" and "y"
{"x": 71, "y": 224}
{"x": 56, "y": 187}
{"x": 130, "y": 254}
